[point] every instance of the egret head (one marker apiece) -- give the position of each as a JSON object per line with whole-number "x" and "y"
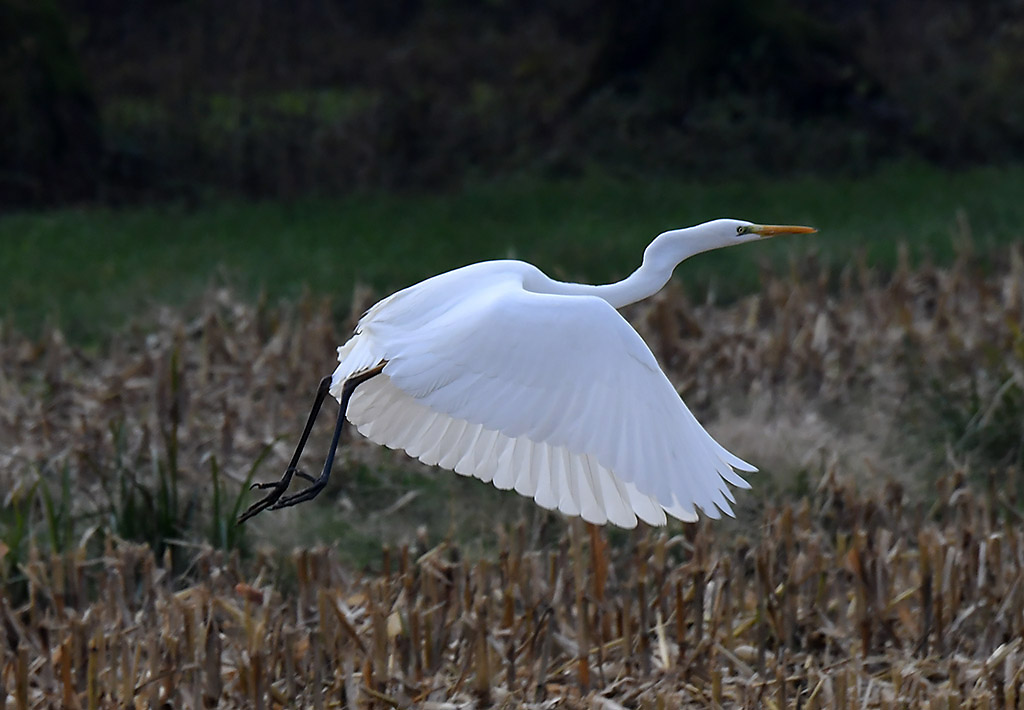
{"x": 678, "y": 244}
{"x": 672, "y": 247}
{"x": 726, "y": 232}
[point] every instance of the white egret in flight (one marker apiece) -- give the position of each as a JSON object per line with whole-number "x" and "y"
{"x": 496, "y": 371}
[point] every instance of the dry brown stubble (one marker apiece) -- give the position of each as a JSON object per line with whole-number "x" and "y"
{"x": 856, "y": 594}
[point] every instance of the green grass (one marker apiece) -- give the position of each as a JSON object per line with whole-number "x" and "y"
{"x": 91, "y": 270}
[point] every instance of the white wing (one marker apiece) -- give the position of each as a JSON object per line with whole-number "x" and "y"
{"x": 555, "y": 396}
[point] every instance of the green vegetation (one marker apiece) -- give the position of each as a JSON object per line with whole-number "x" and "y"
{"x": 92, "y": 269}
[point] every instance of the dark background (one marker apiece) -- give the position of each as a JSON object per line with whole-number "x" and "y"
{"x": 168, "y": 99}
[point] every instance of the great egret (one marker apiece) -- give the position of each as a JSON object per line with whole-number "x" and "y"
{"x": 496, "y": 371}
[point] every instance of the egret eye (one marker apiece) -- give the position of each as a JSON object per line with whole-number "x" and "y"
{"x": 741, "y": 230}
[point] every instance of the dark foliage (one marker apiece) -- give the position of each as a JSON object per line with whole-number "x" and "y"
{"x": 49, "y": 126}
{"x": 272, "y": 98}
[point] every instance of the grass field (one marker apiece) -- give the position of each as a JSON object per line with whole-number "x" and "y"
{"x": 876, "y": 562}
{"x": 92, "y": 269}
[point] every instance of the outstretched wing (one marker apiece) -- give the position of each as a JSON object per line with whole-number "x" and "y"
{"x": 555, "y": 396}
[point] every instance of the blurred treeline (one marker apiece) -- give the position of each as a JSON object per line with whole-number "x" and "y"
{"x": 116, "y": 101}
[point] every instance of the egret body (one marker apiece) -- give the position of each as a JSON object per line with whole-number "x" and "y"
{"x": 497, "y": 371}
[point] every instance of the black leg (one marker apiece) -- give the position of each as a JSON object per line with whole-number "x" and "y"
{"x": 277, "y": 488}
{"x": 313, "y": 490}
{"x": 273, "y": 500}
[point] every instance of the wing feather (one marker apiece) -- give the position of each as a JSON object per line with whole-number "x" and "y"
{"x": 516, "y": 451}
{"x": 445, "y": 442}
{"x": 465, "y": 444}
{"x": 592, "y": 507}
{"x": 614, "y": 494}
{"x": 555, "y": 396}
{"x": 489, "y": 467}
{"x": 439, "y": 423}
{"x": 478, "y": 461}
{"x": 526, "y": 480}
{"x": 546, "y": 495}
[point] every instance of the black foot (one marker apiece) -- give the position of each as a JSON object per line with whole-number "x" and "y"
{"x": 276, "y": 488}
{"x": 273, "y": 499}
{"x": 302, "y": 496}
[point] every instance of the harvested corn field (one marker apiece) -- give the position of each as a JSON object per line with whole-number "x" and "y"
{"x": 877, "y": 563}
{"x": 841, "y": 601}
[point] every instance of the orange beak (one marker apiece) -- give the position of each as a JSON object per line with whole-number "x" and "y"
{"x": 774, "y": 230}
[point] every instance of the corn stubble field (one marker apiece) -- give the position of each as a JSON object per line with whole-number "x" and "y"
{"x": 879, "y": 561}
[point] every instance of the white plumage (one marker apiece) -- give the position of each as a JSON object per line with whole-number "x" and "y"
{"x": 554, "y": 396}
{"x": 496, "y": 371}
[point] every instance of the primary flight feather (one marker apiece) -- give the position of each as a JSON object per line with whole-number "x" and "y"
{"x": 496, "y": 371}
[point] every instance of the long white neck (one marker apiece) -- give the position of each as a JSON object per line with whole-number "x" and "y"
{"x": 660, "y": 259}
